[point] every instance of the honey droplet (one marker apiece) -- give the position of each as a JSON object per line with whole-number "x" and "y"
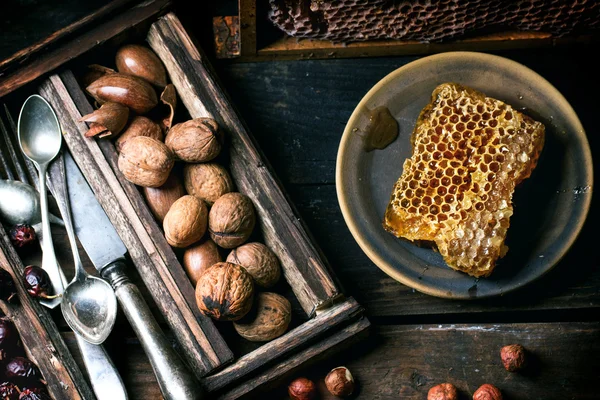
{"x": 381, "y": 130}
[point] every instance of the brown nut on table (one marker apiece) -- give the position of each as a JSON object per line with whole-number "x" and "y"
{"x": 108, "y": 120}
{"x": 259, "y": 261}
{"x": 225, "y": 292}
{"x": 130, "y": 91}
{"x": 270, "y": 320}
{"x": 340, "y": 382}
{"x": 513, "y": 357}
{"x": 443, "y": 391}
{"x": 487, "y": 392}
{"x": 160, "y": 199}
{"x": 185, "y": 223}
{"x": 199, "y": 258}
{"x": 207, "y": 181}
{"x": 302, "y": 389}
{"x": 231, "y": 220}
{"x": 194, "y": 141}
{"x": 145, "y": 161}
{"x": 139, "y": 126}
{"x": 140, "y": 61}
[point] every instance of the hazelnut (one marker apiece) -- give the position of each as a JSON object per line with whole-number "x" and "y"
{"x": 199, "y": 258}
{"x": 207, "y": 181}
{"x": 185, "y": 223}
{"x": 271, "y": 320}
{"x": 487, "y": 392}
{"x": 145, "y": 161}
{"x": 513, "y": 357}
{"x": 340, "y": 382}
{"x": 194, "y": 141}
{"x": 443, "y": 391}
{"x": 225, "y": 292}
{"x": 259, "y": 261}
{"x": 302, "y": 389}
{"x": 231, "y": 220}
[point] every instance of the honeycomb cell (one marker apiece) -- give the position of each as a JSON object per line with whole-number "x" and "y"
{"x": 416, "y": 202}
{"x": 419, "y": 193}
{"x": 441, "y": 190}
{"x": 404, "y": 203}
{"x": 409, "y": 193}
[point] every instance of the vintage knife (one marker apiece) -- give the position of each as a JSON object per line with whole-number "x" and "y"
{"x": 106, "y": 250}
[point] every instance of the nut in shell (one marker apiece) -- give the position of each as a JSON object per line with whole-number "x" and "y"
{"x": 443, "y": 391}
{"x": 108, "y": 120}
{"x": 207, "y": 181}
{"x": 259, "y": 261}
{"x": 340, "y": 382}
{"x": 200, "y": 257}
{"x": 302, "y": 389}
{"x": 231, "y": 220}
{"x": 513, "y": 357}
{"x": 160, "y": 199}
{"x": 225, "y": 292}
{"x": 130, "y": 91}
{"x": 270, "y": 320}
{"x": 139, "y": 126}
{"x": 487, "y": 392}
{"x": 194, "y": 141}
{"x": 185, "y": 223}
{"x": 145, "y": 161}
{"x": 142, "y": 62}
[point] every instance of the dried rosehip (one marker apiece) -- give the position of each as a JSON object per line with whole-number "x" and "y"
{"x": 8, "y": 391}
{"x": 23, "y": 372}
{"x": 513, "y": 357}
{"x": 8, "y": 291}
{"x": 34, "y": 394}
{"x": 9, "y": 338}
{"x": 37, "y": 282}
{"x": 22, "y": 235}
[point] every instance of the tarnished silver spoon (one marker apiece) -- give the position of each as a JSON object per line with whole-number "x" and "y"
{"x": 20, "y": 204}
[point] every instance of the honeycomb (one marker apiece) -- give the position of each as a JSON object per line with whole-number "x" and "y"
{"x": 469, "y": 153}
{"x": 429, "y": 20}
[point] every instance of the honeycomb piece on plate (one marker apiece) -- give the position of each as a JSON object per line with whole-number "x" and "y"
{"x": 469, "y": 153}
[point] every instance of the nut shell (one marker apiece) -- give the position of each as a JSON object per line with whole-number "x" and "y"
{"x": 340, "y": 382}
{"x": 199, "y": 258}
{"x": 302, "y": 389}
{"x": 130, "y": 91}
{"x": 259, "y": 261}
{"x": 443, "y": 391}
{"x": 225, "y": 292}
{"x": 231, "y": 220}
{"x": 160, "y": 199}
{"x": 139, "y": 126}
{"x": 185, "y": 223}
{"x": 487, "y": 392}
{"x": 207, "y": 181}
{"x": 513, "y": 357}
{"x": 271, "y": 320}
{"x": 145, "y": 161}
{"x": 142, "y": 62}
{"x": 194, "y": 141}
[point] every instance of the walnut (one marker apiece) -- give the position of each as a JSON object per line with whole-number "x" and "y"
{"x": 487, "y": 392}
{"x": 199, "y": 258}
{"x": 224, "y": 292}
{"x": 194, "y": 141}
{"x": 231, "y": 220}
{"x": 340, "y": 382}
{"x": 139, "y": 126}
{"x": 259, "y": 261}
{"x": 302, "y": 389}
{"x": 145, "y": 161}
{"x": 185, "y": 223}
{"x": 443, "y": 391}
{"x": 271, "y": 319}
{"x": 513, "y": 357}
{"x": 207, "y": 181}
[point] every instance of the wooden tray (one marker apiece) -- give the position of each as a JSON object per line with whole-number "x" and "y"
{"x": 332, "y": 320}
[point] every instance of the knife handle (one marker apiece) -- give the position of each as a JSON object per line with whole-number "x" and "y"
{"x": 174, "y": 379}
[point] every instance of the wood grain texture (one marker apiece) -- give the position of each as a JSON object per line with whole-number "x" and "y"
{"x": 86, "y": 41}
{"x": 40, "y": 335}
{"x": 298, "y": 111}
{"x": 191, "y": 332}
{"x": 189, "y": 70}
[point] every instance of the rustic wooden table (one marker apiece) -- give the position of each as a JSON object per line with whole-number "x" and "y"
{"x": 297, "y": 111}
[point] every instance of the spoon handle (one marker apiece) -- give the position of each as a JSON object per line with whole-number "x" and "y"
{"x": 49, "y": 263}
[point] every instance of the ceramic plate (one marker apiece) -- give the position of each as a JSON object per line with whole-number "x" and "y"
{"x": 550, "y": 207}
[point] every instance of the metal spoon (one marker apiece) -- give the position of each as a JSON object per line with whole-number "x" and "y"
{"x": 20, "y": 204}
{"x": 40, "y": 140}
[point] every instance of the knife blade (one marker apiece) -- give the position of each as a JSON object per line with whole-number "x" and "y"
{"x": 107, "y": 251}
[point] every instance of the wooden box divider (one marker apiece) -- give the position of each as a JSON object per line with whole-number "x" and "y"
{"x": 39, "y": 334}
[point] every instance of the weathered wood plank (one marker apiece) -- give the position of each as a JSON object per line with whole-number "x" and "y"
{"x": 40, "y": 335}
{"x": 189, "y": 70}
{"x": 193, "y": 338}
